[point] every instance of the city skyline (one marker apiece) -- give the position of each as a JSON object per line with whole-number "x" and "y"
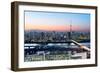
{"x": 58, "y": 21}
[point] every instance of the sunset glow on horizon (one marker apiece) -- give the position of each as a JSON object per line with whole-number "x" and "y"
{"x": 50, "y": 21}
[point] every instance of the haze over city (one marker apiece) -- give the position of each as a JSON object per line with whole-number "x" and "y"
{"x": 59, "y": 21}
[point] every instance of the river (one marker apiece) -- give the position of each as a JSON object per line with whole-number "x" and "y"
{"x": 87, "y": 44}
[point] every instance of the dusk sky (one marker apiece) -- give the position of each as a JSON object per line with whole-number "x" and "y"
{"x": 51, "y": 21}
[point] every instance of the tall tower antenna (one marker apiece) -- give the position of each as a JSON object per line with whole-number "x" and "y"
{"x": 70, "y": 31}
{"x": 70, "y": 26}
